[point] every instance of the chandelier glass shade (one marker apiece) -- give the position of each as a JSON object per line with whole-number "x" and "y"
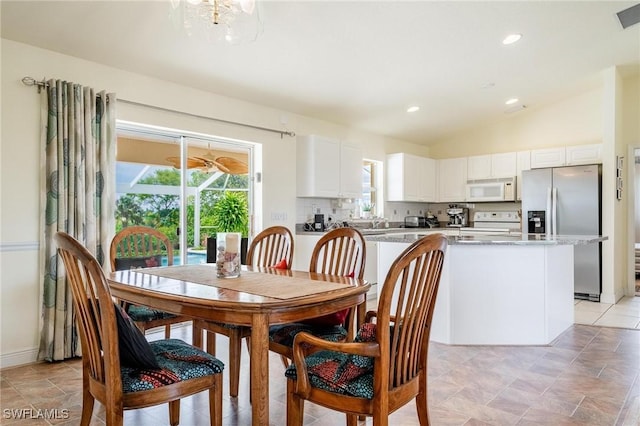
{"x": 233, "y": 21}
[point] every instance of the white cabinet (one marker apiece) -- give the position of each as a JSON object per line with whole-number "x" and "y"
{"x": 371, "y": 264}
{"x": 566, "y": 156}
{"x": 504, "y": 165}
{"x": 523, "y": 162}
{"x": 328, "y": 168}
{"x": 479, "y": 167}
{"x": 549, "y": 157}
{"x": 427, "y": 178}
{"x": 584, "y": 154}
{"x": 452, "y": 179}
{"x": 303, "y": 248}
{"x": 410, "y": 178}
{"x": 491, "y": 166}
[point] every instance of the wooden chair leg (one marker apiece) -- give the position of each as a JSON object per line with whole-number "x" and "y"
{"x": 167, "y": 331}
{"x": 352, "y": 419}
{"x": 87, "y": 407}
{"x": 174, "y": 412}
{"x": 423, "y": 408}
{"x": 295, "y": 405}
{"x": 215, "y": 402}
{"x": 211, "y": 342}
{"x": 196, "y": 336}
{"x": 235, "y": 350}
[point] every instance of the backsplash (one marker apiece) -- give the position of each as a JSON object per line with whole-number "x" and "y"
{"x": 337, "y": 210}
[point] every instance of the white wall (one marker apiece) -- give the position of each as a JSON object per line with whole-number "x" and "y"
{"x": 20, "y": 154}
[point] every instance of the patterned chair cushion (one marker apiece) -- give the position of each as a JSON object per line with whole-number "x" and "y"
{"x": 146, "y": 314}
{"x": 178, "y": 361}
{"x": 124, "y": 263}
{"x": 285, "y": 333}
{"x": 341, "y": 373}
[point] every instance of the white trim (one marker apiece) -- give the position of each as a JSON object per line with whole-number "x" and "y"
{"x": 20, "y": 246}
{"x": 13, "y": 359}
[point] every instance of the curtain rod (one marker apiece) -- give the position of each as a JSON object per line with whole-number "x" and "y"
{"x": 30, "y": 81}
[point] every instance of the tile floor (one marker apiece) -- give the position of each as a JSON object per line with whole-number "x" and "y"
{"x": 590, "y": 375}
{"x": 625, "y": 313}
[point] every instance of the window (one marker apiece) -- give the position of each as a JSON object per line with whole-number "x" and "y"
{"x": 372, "y": 187}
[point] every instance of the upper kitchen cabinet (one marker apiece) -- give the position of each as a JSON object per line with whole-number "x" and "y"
{"x": 491, "y": 166}
{"x": 452, "y": 179}
{"x": 410, "y": 178}
{"x": 549, "y": 157}
{"x": 566, "y": 156}
{"x": 328, "y": 168}
{"x": 584, "y": 154}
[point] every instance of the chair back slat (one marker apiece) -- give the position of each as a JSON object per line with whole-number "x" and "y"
{"x": 405, "y": 308}
{"x": 140, "y": 241}
{"x": 341, "y": 251}
{"x": 271, "y": 246}
{"x": 94, "y": 312}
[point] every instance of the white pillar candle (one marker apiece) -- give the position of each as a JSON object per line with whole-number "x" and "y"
{"x": 232, "y": 243}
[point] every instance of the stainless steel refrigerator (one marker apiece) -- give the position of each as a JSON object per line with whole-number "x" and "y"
{"x": 567, "y": 201}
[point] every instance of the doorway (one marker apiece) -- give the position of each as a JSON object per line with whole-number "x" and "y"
{"x": 171, "y": 180}
{"x": 636, "y": 218}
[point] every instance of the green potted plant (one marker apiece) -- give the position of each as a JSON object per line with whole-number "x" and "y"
{"x": 366, "y": 210}
{"x": 230, "y": 214}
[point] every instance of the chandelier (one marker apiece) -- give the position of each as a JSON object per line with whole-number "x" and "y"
{"x": 233, "y": 21}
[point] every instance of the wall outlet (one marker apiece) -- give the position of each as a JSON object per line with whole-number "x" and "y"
{"x": 278, "y": 216}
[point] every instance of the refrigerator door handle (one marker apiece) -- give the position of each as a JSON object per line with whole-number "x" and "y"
{"x": 548, "y": 212}
{"x": 554, "y": 210}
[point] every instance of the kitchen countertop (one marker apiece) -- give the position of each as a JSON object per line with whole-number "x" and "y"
{"x": 491, "y": 239}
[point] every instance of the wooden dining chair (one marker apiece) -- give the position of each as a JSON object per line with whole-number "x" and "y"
{"x": 119, "y": 367}
{"x": 273, "y": 247}
{"x": 386, "y": 365}
{"x": 141, "y": 247}
{"x": 341, "y": 251}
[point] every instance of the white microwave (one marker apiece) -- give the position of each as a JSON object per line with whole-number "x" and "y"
{"x": 491, "y": 190}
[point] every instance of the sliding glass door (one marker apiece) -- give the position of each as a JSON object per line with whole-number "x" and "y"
{"x": 178, "y": 183}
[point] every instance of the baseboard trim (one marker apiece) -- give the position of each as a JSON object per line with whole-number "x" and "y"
{"x": 14, "y": 359}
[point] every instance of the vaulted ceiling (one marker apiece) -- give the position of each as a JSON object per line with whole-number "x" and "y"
{"x": 360, "y": 63}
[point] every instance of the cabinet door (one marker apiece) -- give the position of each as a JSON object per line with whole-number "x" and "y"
{"x": 403, "y": 177}
{"x": 303, "y": 248}
{"x": 503, "y": 165}
{"x": 317, "y": 167}
{"x": 479, "y": 167}
{"x": 452, "y": 179}
{"x": 523, "y": 163}
{"x": 350, "y": 171}
{"x": 551, "y": 157}
{"x": 427, "y": 179}
{"x": 584, "y": 154}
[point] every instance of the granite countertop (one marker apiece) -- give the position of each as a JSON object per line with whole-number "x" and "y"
{"x": 492, "y": 239}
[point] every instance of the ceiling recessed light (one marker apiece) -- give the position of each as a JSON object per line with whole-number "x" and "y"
{"x": 413, "y": 109}
{"x": 511, "y": 101}
{"x": 511, "y": 38}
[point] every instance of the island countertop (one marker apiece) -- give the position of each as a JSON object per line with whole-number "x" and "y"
{"x": 492, "y": 239}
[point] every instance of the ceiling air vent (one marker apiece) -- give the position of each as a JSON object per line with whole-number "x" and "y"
{"x": 629, "y": 16}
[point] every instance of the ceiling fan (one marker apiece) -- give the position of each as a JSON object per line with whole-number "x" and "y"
{"x": 209, "y": 163}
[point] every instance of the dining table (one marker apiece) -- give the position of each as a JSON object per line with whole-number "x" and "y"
{"x": 258, "y": 298}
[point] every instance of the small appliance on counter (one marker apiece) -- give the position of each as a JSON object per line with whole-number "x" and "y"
{"x": 458, "y": 216}
{"x": 318, "y": 223}
{"x": 432, "y": 221}
{"x": 415, "y": 222}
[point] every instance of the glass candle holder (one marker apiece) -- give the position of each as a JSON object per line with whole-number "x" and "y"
{"x": 228, "y": 254}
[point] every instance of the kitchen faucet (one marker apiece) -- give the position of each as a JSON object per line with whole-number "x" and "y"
{"x": 375, "y": 223}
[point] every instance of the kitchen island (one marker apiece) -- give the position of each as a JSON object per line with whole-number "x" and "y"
{"x": 497, "y": 289}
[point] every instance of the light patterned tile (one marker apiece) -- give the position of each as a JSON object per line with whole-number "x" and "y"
{"x": 586, "y": 306}
{"x": 586, "y": 317}
{"x": 615, "y": 320}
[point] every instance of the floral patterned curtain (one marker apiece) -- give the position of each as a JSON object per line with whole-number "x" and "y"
{"x": 78, "y": 190}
